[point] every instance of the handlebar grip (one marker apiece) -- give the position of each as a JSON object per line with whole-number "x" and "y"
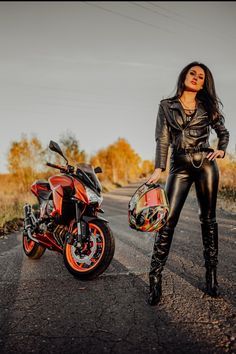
{"x": 61, "y": 168}
{"x": 51, "y": 165}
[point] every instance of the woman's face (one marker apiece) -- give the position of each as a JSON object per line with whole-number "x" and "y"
{"x": 194, "y": 79}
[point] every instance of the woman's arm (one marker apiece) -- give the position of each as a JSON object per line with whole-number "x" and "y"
{"x": 162, "y": 137}
{"x": 223, "y": 136}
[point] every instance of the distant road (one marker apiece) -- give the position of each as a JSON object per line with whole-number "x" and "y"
{"x": 44, "y": 309}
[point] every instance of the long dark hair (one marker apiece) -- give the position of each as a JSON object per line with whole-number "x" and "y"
{"x": 207, "y": 94}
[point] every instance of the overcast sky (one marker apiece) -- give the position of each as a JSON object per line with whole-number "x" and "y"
{"x": 99, "y": 69}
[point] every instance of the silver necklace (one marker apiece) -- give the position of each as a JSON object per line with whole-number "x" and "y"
{"x": 186, "y": 108}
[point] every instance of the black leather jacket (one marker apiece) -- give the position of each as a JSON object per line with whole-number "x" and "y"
{"x": 173, "y": 130}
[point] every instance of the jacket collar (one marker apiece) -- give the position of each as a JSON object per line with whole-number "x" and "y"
{"x": 175, "y": 104}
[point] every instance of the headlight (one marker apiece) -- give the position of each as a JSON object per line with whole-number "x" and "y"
{"x": 93, "y": 197}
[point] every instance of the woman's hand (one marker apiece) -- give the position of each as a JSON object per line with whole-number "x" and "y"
{"x": 215, "y": 154}
{"x": 155, "y": 176}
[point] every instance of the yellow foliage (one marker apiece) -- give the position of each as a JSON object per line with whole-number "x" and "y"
{"x": 147, "y": 168}
{"x": 227, "y": 167}
{"x": 25, "y": 161}
{"x": 120, "y": 163}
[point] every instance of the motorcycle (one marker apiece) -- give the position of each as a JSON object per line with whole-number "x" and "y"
{"x": 68, "y": 220}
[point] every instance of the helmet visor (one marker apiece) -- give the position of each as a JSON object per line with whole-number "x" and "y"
{"x": 153, "y": 198}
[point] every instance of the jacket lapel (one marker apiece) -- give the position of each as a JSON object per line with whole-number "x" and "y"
{"x": 177, "y": 113}
{"x": 176, "y": 118}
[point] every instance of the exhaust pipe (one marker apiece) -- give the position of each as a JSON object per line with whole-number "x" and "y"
{"x": 30, "y": 222}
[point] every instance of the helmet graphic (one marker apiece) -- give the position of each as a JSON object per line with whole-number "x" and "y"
{"x": 148, "y": 208}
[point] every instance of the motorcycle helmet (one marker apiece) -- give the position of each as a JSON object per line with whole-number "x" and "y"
{"x": 148, "y": 208}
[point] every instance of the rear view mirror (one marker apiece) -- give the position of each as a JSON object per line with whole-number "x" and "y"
{"x": 55, "y": 147}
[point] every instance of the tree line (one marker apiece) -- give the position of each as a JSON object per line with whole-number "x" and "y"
{"x": 119, "y": 162}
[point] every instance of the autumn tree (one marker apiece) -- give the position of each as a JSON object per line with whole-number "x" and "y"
{"x": 25, "y": 160}
{"x": 147, "y": 168}
{"x": 100, "y": 159}
{"x": 71, "y": 149}
{"x": 120, "y": 163}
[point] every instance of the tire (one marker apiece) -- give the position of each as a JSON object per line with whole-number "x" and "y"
{"x": 97, "y": 259}
{"x": 31, "y": 248}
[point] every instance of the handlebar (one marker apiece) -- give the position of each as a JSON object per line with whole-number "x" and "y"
{"x": 61, "y": 168}
{"x": 51, "y": 164}
{"x": 67, "y": 169}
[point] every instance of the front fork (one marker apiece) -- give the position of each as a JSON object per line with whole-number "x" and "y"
{"x": 79, "y": 228}
{"x": 82, "y": 234}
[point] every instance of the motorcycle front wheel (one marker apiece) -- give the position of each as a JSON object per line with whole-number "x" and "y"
{"x": 95, "y": 256}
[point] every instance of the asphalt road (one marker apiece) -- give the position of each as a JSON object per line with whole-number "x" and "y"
{"x": 44, "y": 309}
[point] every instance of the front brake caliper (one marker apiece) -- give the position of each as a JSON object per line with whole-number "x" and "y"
{"x": 70, "y": 238}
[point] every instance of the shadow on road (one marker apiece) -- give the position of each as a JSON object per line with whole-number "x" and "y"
{"x": 51, "y": 314}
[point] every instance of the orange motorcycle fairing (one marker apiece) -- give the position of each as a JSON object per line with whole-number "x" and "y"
{"x": 58, "y": 183}
{"x": 80, "y": 192}
{"x": 41, "y": 189}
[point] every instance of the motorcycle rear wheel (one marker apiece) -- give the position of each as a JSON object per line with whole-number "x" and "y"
{"x": 31, "y": 248}
{"x": 92, "y": 261}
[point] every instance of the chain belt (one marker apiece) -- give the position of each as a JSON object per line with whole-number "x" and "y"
{"x": 192, "y": 150}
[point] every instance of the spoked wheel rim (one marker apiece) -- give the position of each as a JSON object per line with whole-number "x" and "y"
{"x": 28, "y": 244}
{"x": 90, "y": 257}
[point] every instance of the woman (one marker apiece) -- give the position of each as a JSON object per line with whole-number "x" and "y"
{"x": 184, "y": 123}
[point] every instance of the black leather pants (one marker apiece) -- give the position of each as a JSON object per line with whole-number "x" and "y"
{"x": 182, "y": 175}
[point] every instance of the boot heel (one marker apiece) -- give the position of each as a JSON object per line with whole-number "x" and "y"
{"x": 210, "y": 253}
{"x": 212, "y": 288}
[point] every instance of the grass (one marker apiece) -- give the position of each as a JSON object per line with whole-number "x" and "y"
{"x": 12, "y": 201}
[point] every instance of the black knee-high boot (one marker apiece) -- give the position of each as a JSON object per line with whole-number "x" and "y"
{"x": 159, "y": 257}
{"x": 210, "y": 253}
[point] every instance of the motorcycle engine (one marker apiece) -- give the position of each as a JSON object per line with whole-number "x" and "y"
{"x": 59, "y": 234}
